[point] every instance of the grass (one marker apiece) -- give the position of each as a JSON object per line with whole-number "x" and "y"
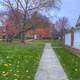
{"x": 57, "y": 43}
{"x": 70, "y": 62}
{"x": 19, "y": 62}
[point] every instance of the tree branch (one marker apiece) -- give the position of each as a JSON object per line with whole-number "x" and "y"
{"x": 21, "y": 5}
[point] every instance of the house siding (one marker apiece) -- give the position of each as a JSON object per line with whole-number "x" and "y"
{"x": 68, "y": 39}
{"x": 77, "y": 39}
{"x": 72, "y": 39}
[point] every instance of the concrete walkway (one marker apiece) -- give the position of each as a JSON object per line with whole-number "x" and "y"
{"x": 50, "y": 67}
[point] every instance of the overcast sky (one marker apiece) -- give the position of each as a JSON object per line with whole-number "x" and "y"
{"x": 69, "y": 9}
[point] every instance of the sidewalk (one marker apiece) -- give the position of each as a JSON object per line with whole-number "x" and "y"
{"x": 50, "y": 67}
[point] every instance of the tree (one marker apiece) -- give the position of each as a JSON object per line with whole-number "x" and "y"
{"x": 44, "y": 25}
{"x": 41, "y": 24}
{"x": 27, "y": 7}
{"x": 13, "y": 24}
{"x": 40, "y": 20}
{"x": 61, "y": 25}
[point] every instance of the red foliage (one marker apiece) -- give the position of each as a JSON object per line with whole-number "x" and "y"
{"x": 10, "y": 28}
{"x": 42, "y": 32}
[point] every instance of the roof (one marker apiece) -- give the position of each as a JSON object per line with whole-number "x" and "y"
{"x": 78, "y": 22}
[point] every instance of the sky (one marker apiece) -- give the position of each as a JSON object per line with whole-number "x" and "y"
{"x": 69, "y": 9}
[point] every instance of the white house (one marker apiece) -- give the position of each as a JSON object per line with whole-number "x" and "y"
{"x": 72, "y": 38}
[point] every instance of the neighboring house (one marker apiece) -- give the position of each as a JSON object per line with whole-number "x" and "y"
{"x": 40, "y": 33}
{"x": 72, "y": 38}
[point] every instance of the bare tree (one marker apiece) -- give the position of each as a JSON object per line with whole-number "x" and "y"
{"x": 27, "y": 7}
{"x": 61, "y": 25}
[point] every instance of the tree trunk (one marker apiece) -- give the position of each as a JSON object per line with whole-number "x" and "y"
{"x": 9, "y": 38}
{"x": 22, "y": 34}
{"x": 22, "y": 37}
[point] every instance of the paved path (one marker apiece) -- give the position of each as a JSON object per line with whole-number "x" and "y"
{"x": 50, "y": 67}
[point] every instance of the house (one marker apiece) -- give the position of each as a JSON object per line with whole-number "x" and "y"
{"x": 72, "y": 38}
{"x": 40, "y": 33}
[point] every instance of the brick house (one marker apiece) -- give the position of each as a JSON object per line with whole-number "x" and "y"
{"x": 40, "y": 33}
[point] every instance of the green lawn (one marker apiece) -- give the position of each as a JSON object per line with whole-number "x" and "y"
{"x": 57, "y": 43}
{"x": 19, "y": 62}
{"x": 70, "y": 62}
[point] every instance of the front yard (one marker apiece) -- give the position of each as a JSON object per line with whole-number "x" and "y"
{"x": 19, "y": 62}
{"x": 70, "y": 62}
